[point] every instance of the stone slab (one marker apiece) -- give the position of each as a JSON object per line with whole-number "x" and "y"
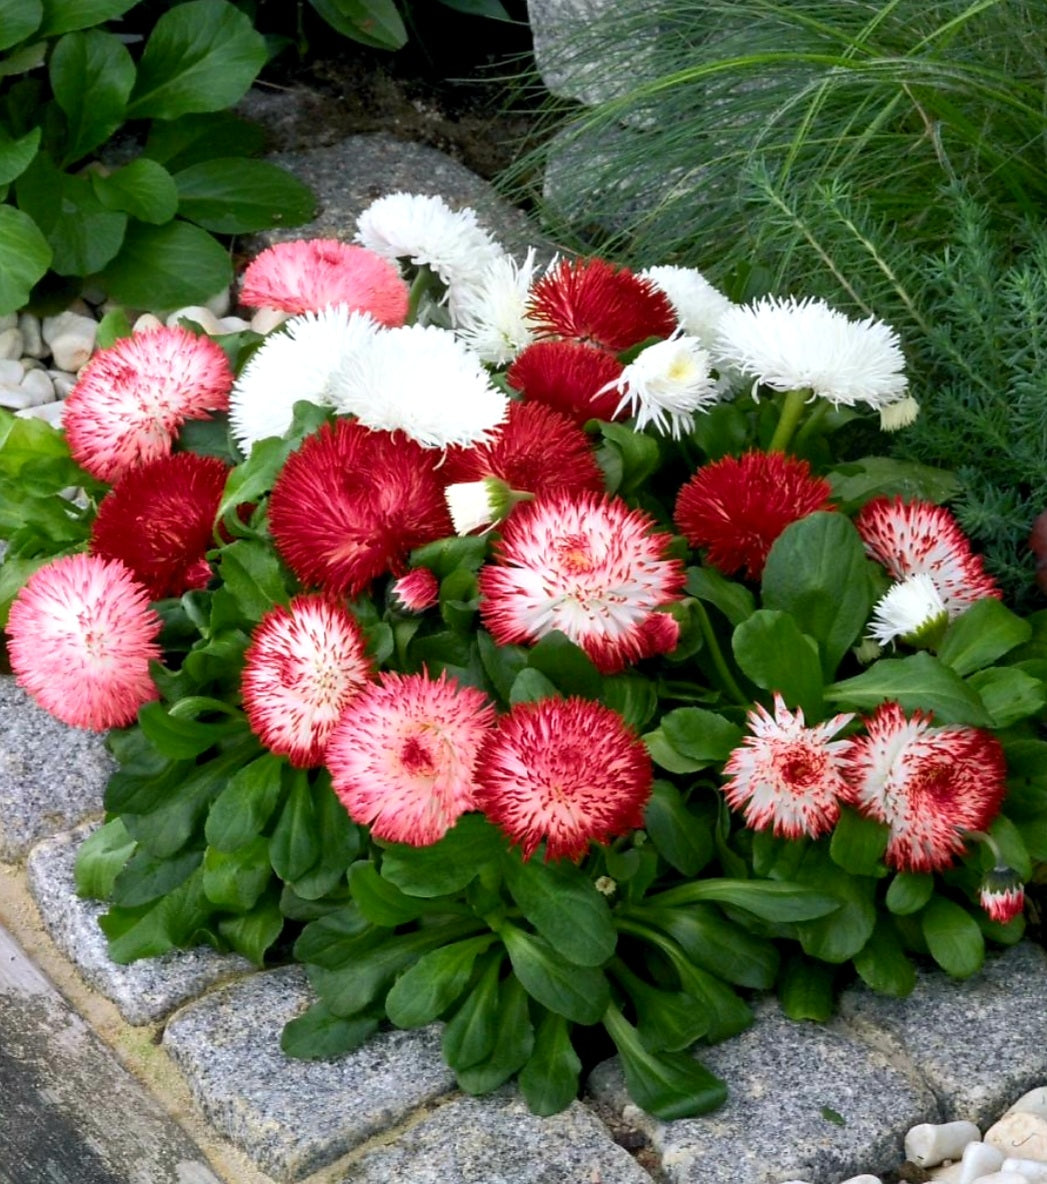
{"x": 293, "y": 1117}
{"x": 497, "y": 1140}
{"x": 144, "y": 991}
{"x": 51, "y": 776}
{"x": 69, "y": 1111}
{"x": 807, "y": 1102}
{"x": 978, "y": 1042}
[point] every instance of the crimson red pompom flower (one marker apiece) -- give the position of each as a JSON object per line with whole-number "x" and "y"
{"x": 569, "y": 376}
{"x": 81, "y": 636}
{"x": 403, "y": 755}
{"x": 308, "y": 275}
{"x": 351, "y": 503}
{"x": 159, "y": 519}
{"x": 131, "y": 399}
{"x": 591, "y": 300}
{"x": 566, "y": 772}
{"x": 929, "y": 784}
{"x": 536, "y": 450}
{"x": 737, "y": 506}
{"x": 305, "y": 664}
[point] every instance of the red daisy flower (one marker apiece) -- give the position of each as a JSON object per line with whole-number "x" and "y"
{"x": 132, "y": 398}
{"x": 403, "y": 755}
{"x": 787, "y": 776}
{"x": 304, "y": 666}
{"x": 81, "y": 636}
{"x": 159, "y": 520}
{"x": 585, "y": 565}
{"x": 536, "y": 450}
{"x": 929, "y": 784}
{"x": 737, "y": 506}
{"x": 590, "y": 300}
{"x": 920, "y": 538}
{"x": 309, "y": 274}
{"x": 569, "y": 376}
{"x": 351, "y": 504}
{"x": 416, "y": 591}
{"x": 566, "y": 771}
{"x": 1002, "y": 894}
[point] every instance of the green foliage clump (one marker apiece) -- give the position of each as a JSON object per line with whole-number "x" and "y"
{"x": 140, "y": 229}
{"x": 386, "y": 24}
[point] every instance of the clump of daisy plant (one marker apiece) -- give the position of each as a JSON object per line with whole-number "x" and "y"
{"x": 508, "y": 641}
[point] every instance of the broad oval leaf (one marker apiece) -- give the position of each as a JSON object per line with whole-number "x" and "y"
{"x": 318, "y": 1033}
{"x": 682, "y": 838}
{"x": 86, "y": 236}
{"x": 16, "y": 155}
{"x": 143, "y": 189}
{"x": 918, "y": 682}
{"x": 167, "y": 266}
{"x": 63, "y": 16}
{"x": 700, "y": 735}
{"x": 561, "y": 902}
{"x": 19, "y": 19}
{"x": 953, "y": 937}
{"x": 242, "y": 809}
{"x": 771, "y": 650}
{"x": 232, "y": 195}
{"x": 25, "y": 256}
{"x": 579, "y": 993}
{"x": 376, "y": 23}
{"x": 91, "y": 76}
{"x": 771, "y": 900}
{"x": 445, "y": 866}
{"x": 984, "y": 632}
{"x": 434, "y": 982}
{"x": 549, "y": 1080}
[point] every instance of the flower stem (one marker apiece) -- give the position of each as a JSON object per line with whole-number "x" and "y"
{"x": 423, "y": 282}
{"x": 792, "y": 411}
{"x": 730, "y": 684}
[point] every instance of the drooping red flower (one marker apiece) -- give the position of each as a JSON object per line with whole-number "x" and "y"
{"x": 304, "y": 666}
{"x": 132, "y": 398}
{"x": 1002, "y": 894}
{"x": 786, "y": 776}
{"x": 81, "y": 636}
{"x": 158, "y": 519}
{"x": 929, "y": 784}
{"x": 351, "y": 503}
{"x": 588, "y": 566}
{"x": 737, "y": 506}
{"x": 403, "y": 756}
{"x": 920, "y": 538}
{"x": 564, "y": 771}
{"x": 591, "y": 300}
{"x": 310, "y": 274}
{"x": 568, "y": 376}
{"x": 536, "y": 450}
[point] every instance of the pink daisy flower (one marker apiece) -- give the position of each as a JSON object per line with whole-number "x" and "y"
{"x": 588, "y": 566}
{"x": 920, "y": 538}
{"x": 564, "y": 771}
{"x": 351, "y": 503}
{"x": 159, "y": 520}
{"x": 309, "y": 274}
{"x": 81, "y": 636}
{"x": 416, "y": 591}
{"x": 737, "y": 506}
{"x": 569, "y": 376}
{"x": 403, "y": 755}
{"x": 929, "y": 784}
{"x": 304, "y": 665}
{"x": 1002, "y": 894}
{"x": 786, "y": 776}
{"x": 132, "y": 398}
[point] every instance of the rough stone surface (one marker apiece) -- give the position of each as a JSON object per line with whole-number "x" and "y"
{"x": 293, "y": 1117}
{"x": 69, "y": 1112}
{"x": 144, "y": 991}
{"x": 979, "y": 1043}
{"x": 790, "y": 1085}
{"x": 497, "y": 1140}
{"x": 51, "y": 776}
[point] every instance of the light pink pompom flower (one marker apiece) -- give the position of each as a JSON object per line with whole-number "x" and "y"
{"x": 308, "y": 275}
{"x": 785, "y": 776}
{"x": 303, "y": 667}
{"x": 403, "y": 755}
{"x": 131, "y": 399}
{"x": 566, "y": 772}
{"x": 929, "y": 784}
{"x": 81, "y": 636}
{"x": 588, "y": 566}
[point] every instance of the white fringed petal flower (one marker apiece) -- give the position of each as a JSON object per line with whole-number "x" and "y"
{"x": 699, "y": 306}
{"x": 910, "y": 609}
{"x": 491, "y": 316}
{"x": 665, "y": 384}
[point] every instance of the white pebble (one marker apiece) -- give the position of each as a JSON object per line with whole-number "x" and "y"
{"x": 952, "y": 1174}
{"x": 62, "y": 381}
{"x": 1034, "y": 1170}
{"x": 39, "y": 385}
{"x": 265, "y": 320}
{"x": 201, "y": 316}
{"x": 1034, "y": 1102}
{"x": 1020, "y": 1133}
{"x": 219, "y": 302}
{"x": 11, "y": 344}
{"x": 866, "y": 1179}
{"x": 1002, "y": 1178}
{"x": 928, "y": 1144}
{"x": 52, "y": 327}
{"x": 979, "y": 1159}
{"x": 32, "y": 339}
{"x": 232, "y": 325}
{"x": 27, "y": 363}
{"x": 146, "y": 322}
{"x": 11, "y": 371}
{"x": 71, "y": 338}
{"x": 52, "y": 412}
{"x": 8, "y": 320}
{"x": 14, "y": 398}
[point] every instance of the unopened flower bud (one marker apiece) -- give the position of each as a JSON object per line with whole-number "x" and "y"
{"x": 1002, "y": 894}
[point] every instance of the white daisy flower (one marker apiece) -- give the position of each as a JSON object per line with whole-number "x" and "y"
{"x": 424, "y": 229}
{"x": 665, "y": 384}
{"x": 491, "y": 315}
{"x": 912, "y": 609}
{"x": 421, "y": 380}
{"x": 792, "y": 345}
{"x": 300, "y": 362}
{"x": 699, "y": 306}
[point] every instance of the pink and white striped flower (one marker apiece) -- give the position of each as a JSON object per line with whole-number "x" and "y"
{"x": 416, "y": 590}
{"x": 1002, "y": 894}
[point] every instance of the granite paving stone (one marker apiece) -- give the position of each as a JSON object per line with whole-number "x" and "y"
{"x": 293, "y": 1117}
{"x": 979, "y": 1042}
{"x": 497, "y": 1140}
{"x": 807, "y": 1102}
{"x": 51, "y": 776}
{"x": 144, "y": 991}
